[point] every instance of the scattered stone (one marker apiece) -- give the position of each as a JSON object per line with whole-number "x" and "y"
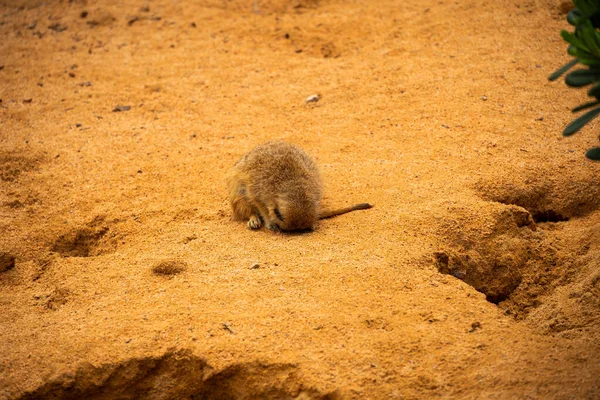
{"x": 193, "y": 25}
{"x": 133, "y": 20}
{"x": 86, "y": 83}
{"x": 32, "y": 25}
{"x": 475, "y": 326}
{"x": 100, "y": 18}
{"x": 255, "y": 266}
{"x": 57, "y": 27}
{"x": 27, "y": 101}
{"x": 312, "y": 98}
{"x": 169, "y": 267}
{"x": 189, "y": 239}
{"x": 137, "y": 18}
{"x": 7, "y": 261}
{"x": 484, "y": 97}
{"x": 227, "y": 327}
{"x": 121, "y": 108}
{"x": 83, "y": 14}
{"x": 1, "y": 67}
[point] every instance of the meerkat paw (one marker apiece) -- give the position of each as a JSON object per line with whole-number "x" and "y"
{"x": 254, "y": 222}
{"x": 274, "y": 227}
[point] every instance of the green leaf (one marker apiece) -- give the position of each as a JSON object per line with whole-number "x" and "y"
{"x": 582, "y": 77}
{"x": 580, "y": 122}
{"x": 593, "y": 154}
{"x": 586, "y": 58}
{"x": 556, "y": 74}
{"x": 588, "y": 36}
{"x": 573, "y": 17}
{"x": 585, "y": 106}
{"x": 574, "y": 40}
{"x": 586, "y": 8}
{"x": 594, "y": 91}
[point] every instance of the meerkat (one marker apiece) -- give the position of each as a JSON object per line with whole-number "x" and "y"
{"x": 277, "y": 185}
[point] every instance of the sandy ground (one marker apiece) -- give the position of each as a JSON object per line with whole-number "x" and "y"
{"x": 476, "y": 274}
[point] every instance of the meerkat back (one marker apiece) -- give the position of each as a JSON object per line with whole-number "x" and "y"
{"x": 276, "y": 184}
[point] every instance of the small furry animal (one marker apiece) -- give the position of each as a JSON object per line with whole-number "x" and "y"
{"x": 278, "y": 185}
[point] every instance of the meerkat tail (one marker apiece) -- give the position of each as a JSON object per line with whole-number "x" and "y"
{"x": 323, "y": 214}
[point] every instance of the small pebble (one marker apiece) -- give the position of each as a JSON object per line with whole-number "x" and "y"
{"x": 227, "y": 327}
{"x": 484, "y": 97}
{"x": 475, "y": 326}
{"x": 57, "y": 27}
{"x": 312, "y": 98}
{"x": 255, "y": 266}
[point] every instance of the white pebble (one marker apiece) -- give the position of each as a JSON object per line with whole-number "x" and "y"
{"x": 313, "y": 98}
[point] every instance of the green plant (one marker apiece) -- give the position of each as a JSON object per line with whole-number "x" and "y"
{"x": 584, "y": 45}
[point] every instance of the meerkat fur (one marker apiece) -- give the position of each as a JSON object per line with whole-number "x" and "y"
{"x": 277, "y": 185}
